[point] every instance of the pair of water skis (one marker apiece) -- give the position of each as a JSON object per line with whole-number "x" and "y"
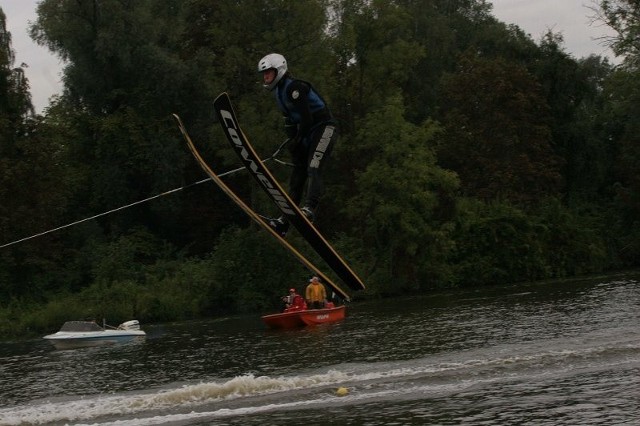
{"x": 256, "y": 167}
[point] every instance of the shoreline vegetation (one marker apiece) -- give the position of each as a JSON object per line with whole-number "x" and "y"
{"x": 34, "y": 321}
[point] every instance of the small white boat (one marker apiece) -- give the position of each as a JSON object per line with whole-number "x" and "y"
{"x": 78, "y": 334}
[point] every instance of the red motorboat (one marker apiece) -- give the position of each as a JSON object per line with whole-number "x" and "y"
{"x": 320, "y": 316}
{"x": 292, "y": 317}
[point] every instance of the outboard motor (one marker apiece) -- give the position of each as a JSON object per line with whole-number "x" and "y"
{"x": 130, "y": 325}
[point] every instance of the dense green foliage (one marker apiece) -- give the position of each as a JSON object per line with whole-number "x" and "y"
{"x": 469, "y": 154}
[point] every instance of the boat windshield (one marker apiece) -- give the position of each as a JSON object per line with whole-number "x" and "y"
{"x": 80, "y": 326}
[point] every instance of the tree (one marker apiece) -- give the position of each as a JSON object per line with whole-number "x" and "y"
{"x": 623, "y": 16}
{"x": 621, "y": 114}
{"x": 123, "y": 79}
{"x": 15, "y": 99}
{"x": 34, "y": 186}
{"x": 376, "y": 51}
{"x": 403, "y": 199}
{"x": 573, "y": 90}
{"x": 497, "y": 135}
{"x": 623, "y": 130}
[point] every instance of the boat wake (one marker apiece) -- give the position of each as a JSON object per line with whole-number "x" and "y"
{"x": 186, "y": 397}
{"x": 431, "y": 377}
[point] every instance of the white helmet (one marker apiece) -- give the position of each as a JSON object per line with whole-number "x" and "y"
{"x": 273, "y": 61}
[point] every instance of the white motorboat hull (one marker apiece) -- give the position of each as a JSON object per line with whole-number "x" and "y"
{"x": 70, "y": 340}
{"x": 79, "y": 334}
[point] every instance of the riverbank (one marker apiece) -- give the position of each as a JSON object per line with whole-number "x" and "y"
{"x": 29, "y": 321}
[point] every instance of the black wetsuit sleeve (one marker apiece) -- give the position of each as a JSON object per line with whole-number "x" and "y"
{"x": 299, "y": 95}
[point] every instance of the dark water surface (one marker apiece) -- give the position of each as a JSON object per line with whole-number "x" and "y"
{"x": 544, "y": 354}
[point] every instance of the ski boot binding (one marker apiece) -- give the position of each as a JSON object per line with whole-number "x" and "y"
{"x": 308, "y": 213}
{"x": 280, "y": 225}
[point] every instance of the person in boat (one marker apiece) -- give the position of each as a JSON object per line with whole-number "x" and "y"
{"x": 316, "y": 294}
{"x": 293, "y": 301}
{"x": 311, "y": 132}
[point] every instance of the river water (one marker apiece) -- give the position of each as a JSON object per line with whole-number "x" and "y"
{"x": 543, "y": 354}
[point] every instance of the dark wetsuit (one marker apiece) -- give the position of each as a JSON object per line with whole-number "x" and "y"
{"x": 313, "y": 133}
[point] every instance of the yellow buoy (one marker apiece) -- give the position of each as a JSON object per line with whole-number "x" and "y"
{"x": 342, "y": 391}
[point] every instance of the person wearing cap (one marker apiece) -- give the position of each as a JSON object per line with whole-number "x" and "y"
{"x": 311, "y": 132}
{"x": 288, "y": 299}
{"x": 293, "y": 301}
{"x": 316, "y": 294}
